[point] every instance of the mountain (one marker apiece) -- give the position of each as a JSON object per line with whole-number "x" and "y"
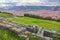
{"x": 27, "y": 8}
{"x": 45, "y": 11}
{"x": 57, "y": 8}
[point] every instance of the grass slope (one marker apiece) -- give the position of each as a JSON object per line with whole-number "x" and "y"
{"x": 4, "y": 14}
{"x": 50, "y": 25}
{"x": 8, "y": 35}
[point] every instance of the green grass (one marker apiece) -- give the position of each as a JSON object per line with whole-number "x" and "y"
{"x": 6, "y": 15}
{"x": 35, "y": 38}
{"x": 8, "y": 35}
{"x": 47, "y": 24}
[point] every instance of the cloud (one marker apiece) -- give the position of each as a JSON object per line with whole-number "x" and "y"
{"x": 50, "y": 2}
{"x": 29, "y": 3}
{"x": 38, "y": 2}
{"x": 7, "y": 3}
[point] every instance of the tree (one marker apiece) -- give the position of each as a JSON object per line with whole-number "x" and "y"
{"x": 58, "y": 20}
{"x": 48, "y": 18}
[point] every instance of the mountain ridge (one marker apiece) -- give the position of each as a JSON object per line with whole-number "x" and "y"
{"x": 30, "y": 8}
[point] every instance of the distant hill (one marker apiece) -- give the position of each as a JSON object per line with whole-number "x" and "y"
{"x": 45, "y": 11}
{"x": 29, "y": 8}
{"x": 56, "y": 8}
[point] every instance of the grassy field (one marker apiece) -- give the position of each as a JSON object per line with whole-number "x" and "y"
{"x": 8, "y": 35}
{"x": 6, "y": 15}
{"x": 47, "y": 24}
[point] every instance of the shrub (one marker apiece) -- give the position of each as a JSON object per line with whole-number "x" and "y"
{"x": 41, "y": 17}
{"x": 0, "y": 11}
{"x": 48, "y": 18}
{"x": 31, "y": 15}
{"x": 58, "y": 20}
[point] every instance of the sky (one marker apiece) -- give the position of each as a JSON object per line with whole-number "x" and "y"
{"x": 4, "y": 3}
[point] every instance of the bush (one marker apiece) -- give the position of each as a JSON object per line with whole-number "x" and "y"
{"x": 48, "y": 18}
{"x": 31, "y": 15}
{"x": 41, "y": 17}
{"x": 0, "y": 11}
{"x": 58, "y": 20}
{"x": 26, "y": 14}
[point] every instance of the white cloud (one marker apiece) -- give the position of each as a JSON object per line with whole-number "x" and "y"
{"x": 25, "y": 2}
{"x": 4, "y": 3}
{"x": 38, "y": 2}
{"x": 29, "y": 3}
{"x": 49, "y": 3}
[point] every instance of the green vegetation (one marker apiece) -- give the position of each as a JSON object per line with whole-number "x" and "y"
{"x": 41, "y": 17}
{"x": 56, "y": 37}
{"x": 4, "y": 14}
{"x": 8, "y": 35}
{"x": 35, "y": 38}
{"x": 47, "y": 24}
{"x": 50, "y": 25}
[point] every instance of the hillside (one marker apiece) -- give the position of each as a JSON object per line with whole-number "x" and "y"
{"x": 30, "y": 8}
{"x": 32, "y": 21}
{"x": 47, "y": 24}
{"x": 44, "y": 11}
{"x": 8, "y": 34}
